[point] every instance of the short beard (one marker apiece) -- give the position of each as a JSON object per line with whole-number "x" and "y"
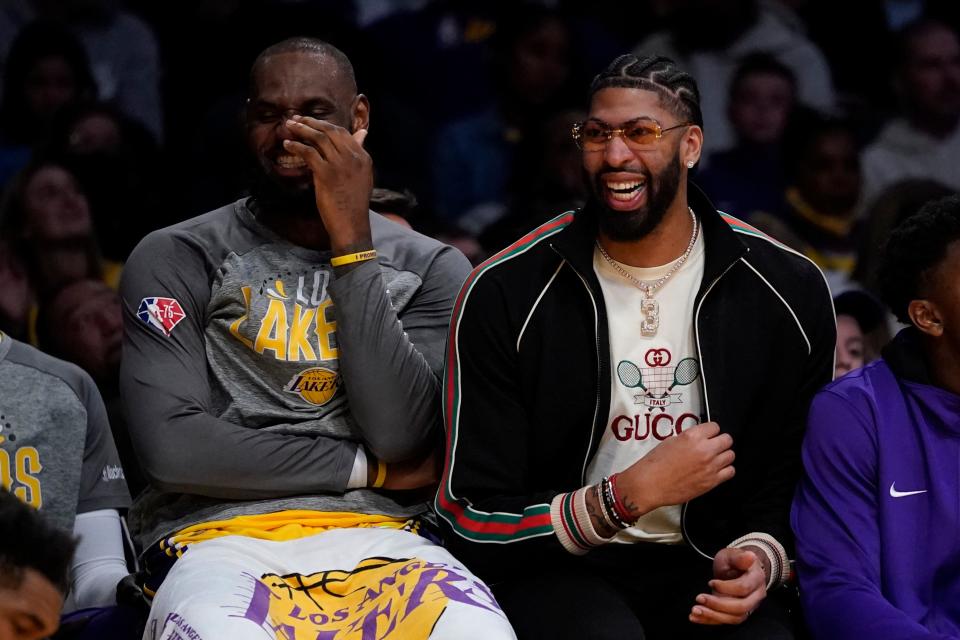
{"x": 624, "y": 226}
{"x": 275, "y": 198}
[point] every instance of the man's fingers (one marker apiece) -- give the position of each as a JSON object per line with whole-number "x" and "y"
{"x": 722, "y": 441}
{"x": 726, "y": 474}
{"x": 713, "y": 609}
{"x": 310, "y": 136}
{"x": 744, "y": 560}
{"x": 309, "y": 154}
{"x": 706, "y": 429}
{"x": 739, "y": 587}
{"x": 339, "y": 137}
{"x": 707, "y": 616}
{"x": 725, "y": 459}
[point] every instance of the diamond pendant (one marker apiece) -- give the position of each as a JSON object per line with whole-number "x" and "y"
{"x": 650, "y": 309}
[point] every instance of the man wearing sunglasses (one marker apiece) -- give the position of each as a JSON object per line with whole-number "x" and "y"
{"x": 604, "y": 371}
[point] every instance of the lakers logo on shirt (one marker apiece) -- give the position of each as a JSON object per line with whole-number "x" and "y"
{"x": 315, "y": 385}
{"x": 19, "y": 467}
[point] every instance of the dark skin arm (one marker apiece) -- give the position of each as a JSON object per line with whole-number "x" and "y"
{"x": 343, "y": 180}
{"x": 677, "y": 471}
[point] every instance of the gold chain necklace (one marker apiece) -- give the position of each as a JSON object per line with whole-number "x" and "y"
{"x": 650, "y": 307}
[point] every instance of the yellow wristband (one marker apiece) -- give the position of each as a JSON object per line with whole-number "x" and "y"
{"x": 350, "y": 258}
{"x": 381, "y": 475}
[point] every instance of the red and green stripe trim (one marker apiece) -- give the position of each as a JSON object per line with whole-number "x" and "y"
{"x": 742, "y": 227}
{"x": 471, "y": 523}
{"x": 569, "y": 515}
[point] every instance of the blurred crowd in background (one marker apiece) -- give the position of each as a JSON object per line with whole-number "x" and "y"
{"x": 826, "y": 123}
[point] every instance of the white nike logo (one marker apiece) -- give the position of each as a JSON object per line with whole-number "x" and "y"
{"x": 903, "y": 494}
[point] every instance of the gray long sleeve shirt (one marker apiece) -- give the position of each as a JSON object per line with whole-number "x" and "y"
{"x": 56, "y": 450}
{"x": 252, "y": 372}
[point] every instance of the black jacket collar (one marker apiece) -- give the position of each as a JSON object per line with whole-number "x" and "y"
{"x": 904, "y": 356}
{"x": 723, "y": 247}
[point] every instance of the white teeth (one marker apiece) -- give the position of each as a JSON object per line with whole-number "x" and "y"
{"x": 624, "y": 186}
{"x": 290, "y": 162}
{"x": 624, "y": 197}
{"x": 625, "y": 191}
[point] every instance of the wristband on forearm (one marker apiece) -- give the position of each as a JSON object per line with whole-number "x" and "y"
{"x": 350, "y": 258}
{"x": 381, "y": 474}
{"x": 572, "y": 524}
{"x": 776, "y": 555}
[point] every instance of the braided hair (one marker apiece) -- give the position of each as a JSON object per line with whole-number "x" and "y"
{"x": 677, "y": 89}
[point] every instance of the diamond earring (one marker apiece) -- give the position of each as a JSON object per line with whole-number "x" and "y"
{"x": 690, "y": 164}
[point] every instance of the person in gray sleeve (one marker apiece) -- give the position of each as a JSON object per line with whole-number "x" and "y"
{"x": 280, "y": 375}
{"x": 57, "y": 454}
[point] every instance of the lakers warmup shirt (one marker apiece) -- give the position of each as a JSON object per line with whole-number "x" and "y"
{"x": 235, "y": 337}
{"x": 56, "y": 449}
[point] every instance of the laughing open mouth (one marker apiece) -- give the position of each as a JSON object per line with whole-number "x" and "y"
{"x": 625, "y": 191}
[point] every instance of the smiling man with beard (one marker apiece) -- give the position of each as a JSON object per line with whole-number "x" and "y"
{"x": 280, "y": 375}
{"x": 604, "y": 371}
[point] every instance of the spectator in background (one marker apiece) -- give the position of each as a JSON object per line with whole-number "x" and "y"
{"x": 46, "y": 71}
{"x": 34, "y": 563}
{"x": 123, "y": 52}
{"x": 925, "y": 141}
{"x": 15, "y": 295}
{"x": 875, "y": 513}
{"x": 709, "y": 37}
{"x": 393, "y": 205}
{"x": 448, "y": 43}
{"x": 82, "y": 323}
{"x": 750, "y": 176}
{"x": 859, "y": 315}
{"x": 117, "y": 165}
{"x": 824, "y": 188}
{"x": 46, "y": 219}
{"x": 894, "y": 205}
{"x": 475, "y": 157}
{"x": 549, "y": 180}
{"x": 55, "y": 427}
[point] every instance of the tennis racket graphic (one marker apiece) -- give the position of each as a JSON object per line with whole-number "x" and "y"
{"x": 630, "y": 375}
{"x": 687, "y": 371}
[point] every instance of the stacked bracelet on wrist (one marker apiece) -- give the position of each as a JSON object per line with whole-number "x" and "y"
{"x": 618, "y": 503}
{"x": 608, "y": 505}
{"x": 350, "y": 258}
{"x": 571, "y": 518}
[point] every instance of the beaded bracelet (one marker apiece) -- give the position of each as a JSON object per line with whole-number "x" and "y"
{"x": 621, "y": 508}
{"x": 608, "y": 505}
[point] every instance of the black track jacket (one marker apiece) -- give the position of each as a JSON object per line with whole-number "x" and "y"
{"x": 527, "y": 386}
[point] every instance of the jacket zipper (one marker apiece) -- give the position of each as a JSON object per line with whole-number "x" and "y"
{"x": 596, "y": 334}
{"x": 596, "y": 406}
{"x": 706, "y": 400}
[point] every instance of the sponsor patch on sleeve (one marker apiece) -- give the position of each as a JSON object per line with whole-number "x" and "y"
{"x": 161, "y": 314}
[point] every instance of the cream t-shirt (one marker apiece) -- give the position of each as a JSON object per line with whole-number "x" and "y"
{"x": 655, "y": 382}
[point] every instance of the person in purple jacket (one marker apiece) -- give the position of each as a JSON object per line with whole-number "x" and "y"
{"x": 877, "y": 513}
